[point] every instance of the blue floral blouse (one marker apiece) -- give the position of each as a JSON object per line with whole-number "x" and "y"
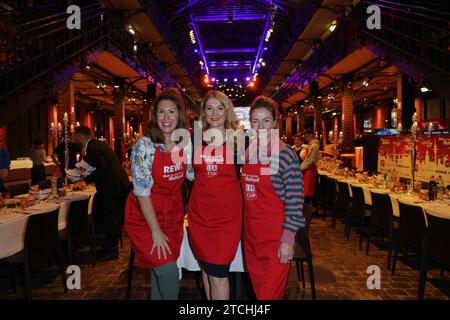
{"x": 142, "y": 157}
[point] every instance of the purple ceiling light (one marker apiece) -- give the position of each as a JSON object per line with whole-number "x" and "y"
{"x": 226, "y": 63}
{"x": 261, "y": 43}
{"x": 200, "y": 46}
{"x": 230, "y": 50}
{"x": 226, "y": 17}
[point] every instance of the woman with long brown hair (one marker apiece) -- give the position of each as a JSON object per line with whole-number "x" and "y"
{"x": 154, "y": 212}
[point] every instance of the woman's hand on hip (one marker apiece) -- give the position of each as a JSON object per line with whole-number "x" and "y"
{"x": 285, "y": 252}
{"x": 160, "y": 242}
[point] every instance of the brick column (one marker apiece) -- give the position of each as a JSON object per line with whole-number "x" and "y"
{"x": 317, "y": 119}
{"x": 335, "y": 129}
{"x": 119, "y": 113}
{"x": 289, "y": 127}
{"x": 380, "y": 117}
{"x": 280, "y": 125}
{"x": 300, "y": 119}
{"x": 347, "y": 119}
{"x": 418, "y": 102}
{"x": 146, "y": 110}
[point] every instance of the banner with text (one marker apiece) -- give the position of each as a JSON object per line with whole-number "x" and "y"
{"x": 432, "y": 157}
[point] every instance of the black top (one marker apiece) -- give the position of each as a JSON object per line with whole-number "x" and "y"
{"x": 108, "y": 169}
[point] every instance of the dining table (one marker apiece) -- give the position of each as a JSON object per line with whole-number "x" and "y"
{"x": 13, "y": 219}
{"x": 439, "y": 208}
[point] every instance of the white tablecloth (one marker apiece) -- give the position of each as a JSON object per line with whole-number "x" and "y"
{"x": 187, "y": 260}
{"x": 13, "y": 222}
{"x": 27, "y": 164}
{"x": 437, "y": 208}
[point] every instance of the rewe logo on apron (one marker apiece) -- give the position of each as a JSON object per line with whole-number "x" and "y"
{"x": 173, "y": 172}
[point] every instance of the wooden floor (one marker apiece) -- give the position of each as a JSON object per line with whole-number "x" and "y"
{"x": 340, "y": 271}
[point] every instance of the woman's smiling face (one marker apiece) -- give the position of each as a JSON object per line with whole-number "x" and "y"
{"x": 167, "y": 116}
{"x": 215, "y": 113}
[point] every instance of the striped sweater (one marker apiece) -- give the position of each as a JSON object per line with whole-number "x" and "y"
{"x": 288, "y": 184}
{"x": 287, "y": 180}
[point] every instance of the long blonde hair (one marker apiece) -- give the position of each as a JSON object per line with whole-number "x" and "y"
{"x": 231, "y": 120}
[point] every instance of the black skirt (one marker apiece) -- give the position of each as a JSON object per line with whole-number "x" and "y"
{"x": 215, "y": 270}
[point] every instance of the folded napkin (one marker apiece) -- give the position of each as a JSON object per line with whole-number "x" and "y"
{"x": 84, "y": 168}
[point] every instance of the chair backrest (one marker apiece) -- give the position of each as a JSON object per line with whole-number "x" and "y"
{"x": 439, "y": 240}
{"x": 343, "y": 194}
{"x": 330, "y": 190}
{"x": 358, "y": 202}
{"x": 18, "y": 189}
{"x": 78, "y": 222}
{"x": 322, "y": 185}
{"x": 302, "y": 235}
{"x": 41, "y": 235}
{"x": 412, "y": 227}
{"x": 381, "y": 210}
{"x": 45, "y": 184}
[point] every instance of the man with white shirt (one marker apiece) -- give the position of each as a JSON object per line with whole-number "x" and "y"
{"x": 112, "y": 184}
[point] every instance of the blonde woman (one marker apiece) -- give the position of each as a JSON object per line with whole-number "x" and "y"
{"x": 215, "y": 205}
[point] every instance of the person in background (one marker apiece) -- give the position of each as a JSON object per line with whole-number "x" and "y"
{"x": 112, "y": 184}
{"x": 39, "y": 157}
{"x": 154, "y": 211}
{"x": 308, "y": 165}
{"x": 58, "y": 156}
{"x": 5, "y": 163}
{"x": 273, "y": 203}
{"x": 299, "y": 146}
{"x": 215, "y": 205}
{"x": 120, "y": 150}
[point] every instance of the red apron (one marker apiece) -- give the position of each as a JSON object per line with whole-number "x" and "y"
{"x": 215, "y": 207}
{"x": 167, "y": 201}
{"x": 263, "y": 228}
{"x": 309, "y": 179}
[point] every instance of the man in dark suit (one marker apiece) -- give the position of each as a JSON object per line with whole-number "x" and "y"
{"x": 112, "y": 184}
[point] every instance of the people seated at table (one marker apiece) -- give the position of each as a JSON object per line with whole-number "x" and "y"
{"x": 215, "y": 205}
{"x": 38, "y": 157}
{"x": 273, "y": 203}
{"x": 154, "y": 212}
{"x": 112, "y": 186}
{"x": 309, "y": 165}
